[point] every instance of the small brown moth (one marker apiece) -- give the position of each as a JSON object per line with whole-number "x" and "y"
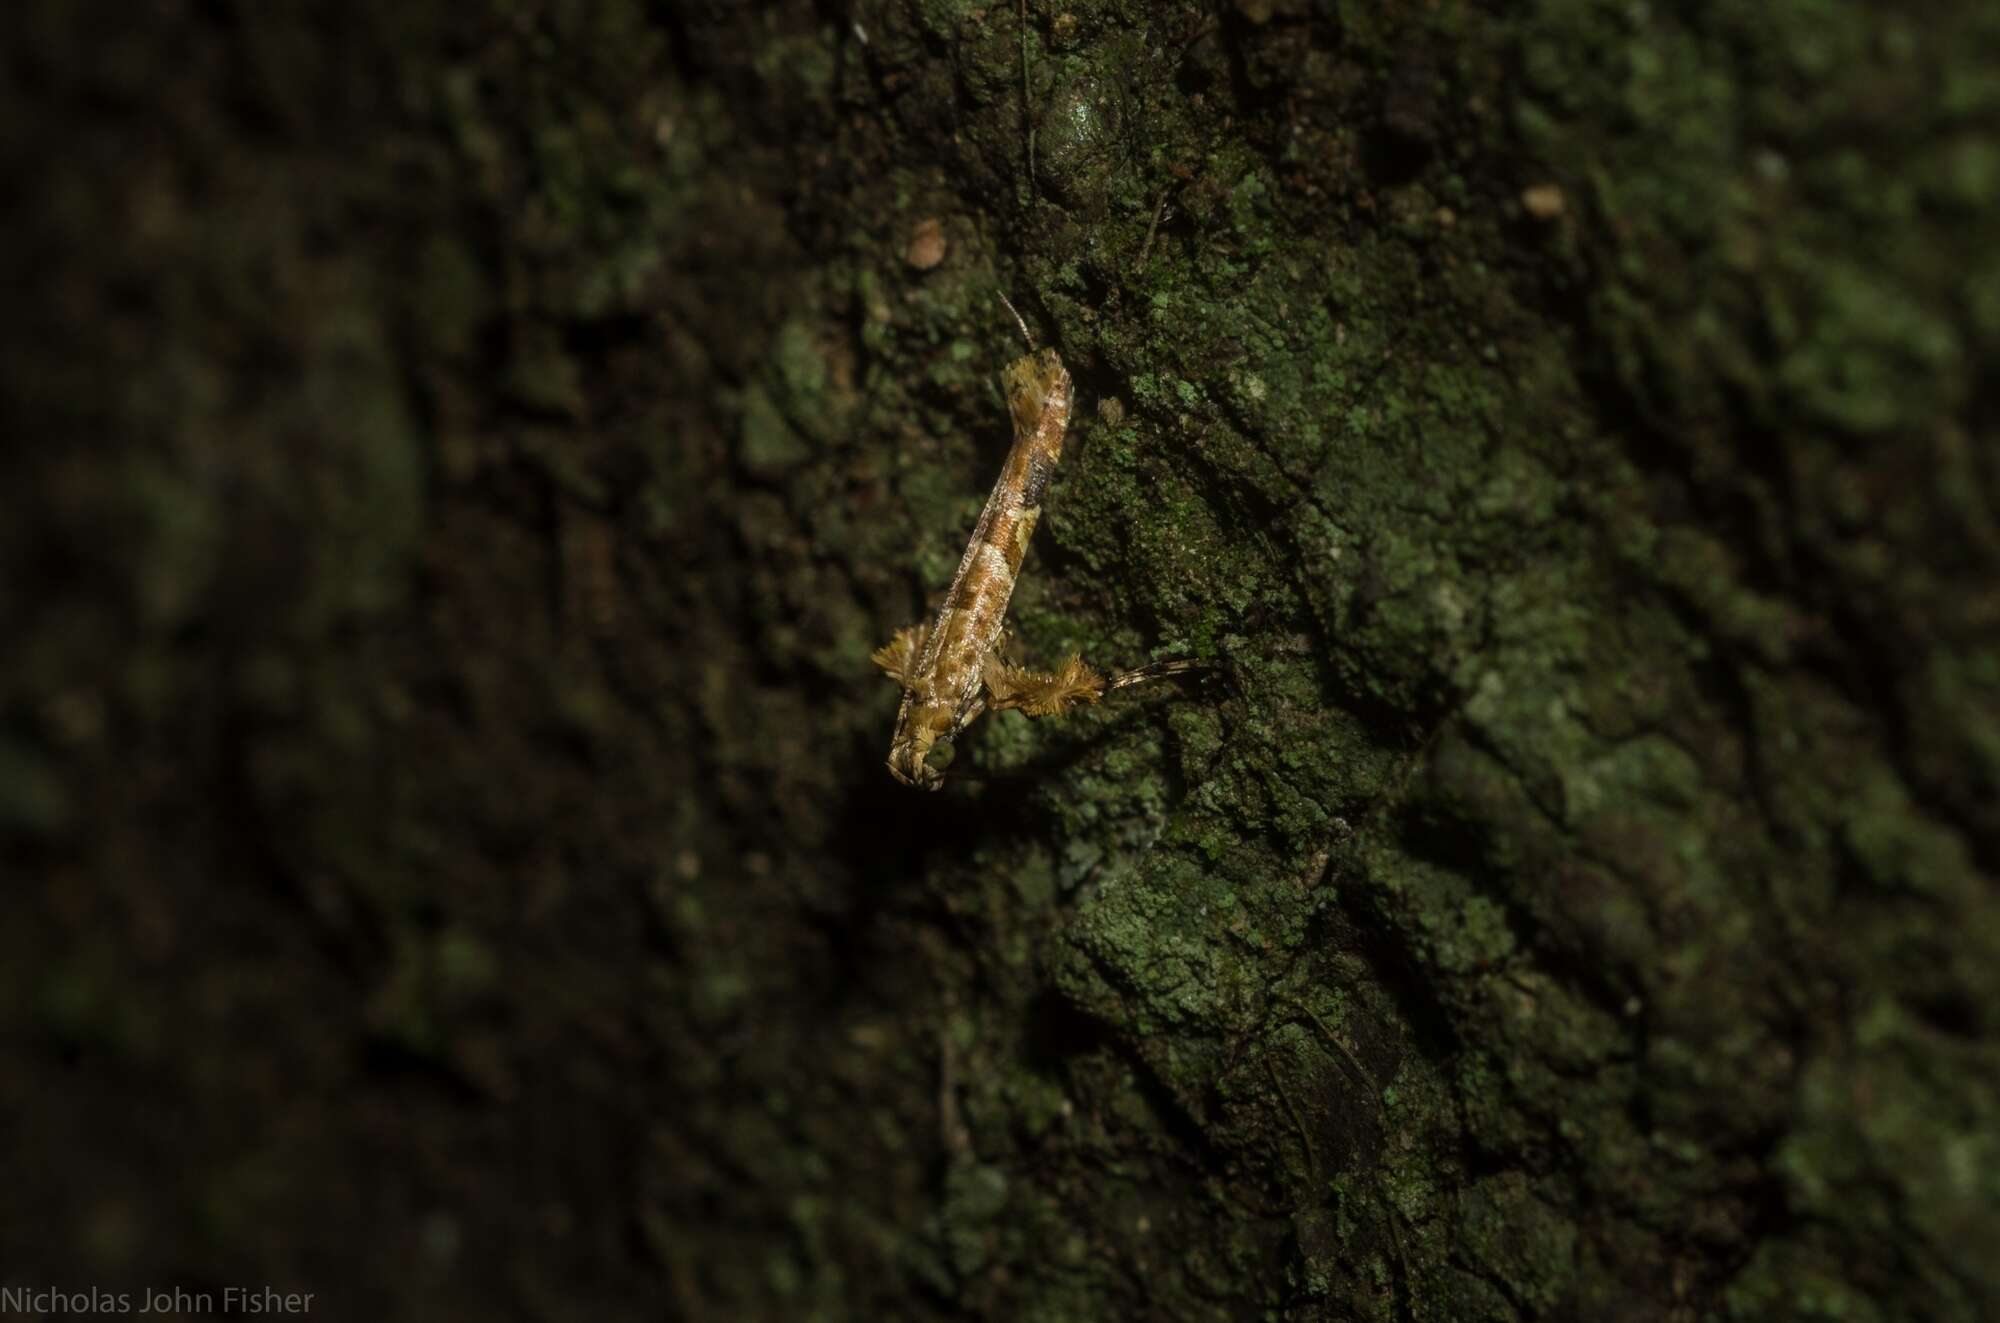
{"x": 951, "y": 670}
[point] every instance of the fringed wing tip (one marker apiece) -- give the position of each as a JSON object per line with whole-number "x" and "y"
{"x": 1042, "y": 694}
{"x": 899, "y": 654}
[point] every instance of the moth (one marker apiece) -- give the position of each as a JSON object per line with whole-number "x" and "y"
{"x": 950, "y": 669}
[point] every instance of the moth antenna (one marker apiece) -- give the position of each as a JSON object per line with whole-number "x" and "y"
{"x": 1019, "y": 321}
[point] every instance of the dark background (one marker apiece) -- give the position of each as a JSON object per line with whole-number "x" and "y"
{"x": 460, "y": 458}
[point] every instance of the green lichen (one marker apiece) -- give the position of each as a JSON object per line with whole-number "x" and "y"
{"x": 1560, "y": 432}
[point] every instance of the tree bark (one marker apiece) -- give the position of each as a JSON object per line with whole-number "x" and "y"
{"x": 463, "y": 462}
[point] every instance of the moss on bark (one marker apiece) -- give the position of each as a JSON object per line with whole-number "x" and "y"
{"x": 474, "y": 456}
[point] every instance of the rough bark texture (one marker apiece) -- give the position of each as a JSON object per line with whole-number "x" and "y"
{"x": 461, "y": 462}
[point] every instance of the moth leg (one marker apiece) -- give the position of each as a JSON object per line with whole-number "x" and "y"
{"x": 1075, "y": 682}
{"x": 899, "y": 654}
{"x": 967, "y": 717}
{"x": 1040, "y": 693}
{"x": 1156, "y": 671}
